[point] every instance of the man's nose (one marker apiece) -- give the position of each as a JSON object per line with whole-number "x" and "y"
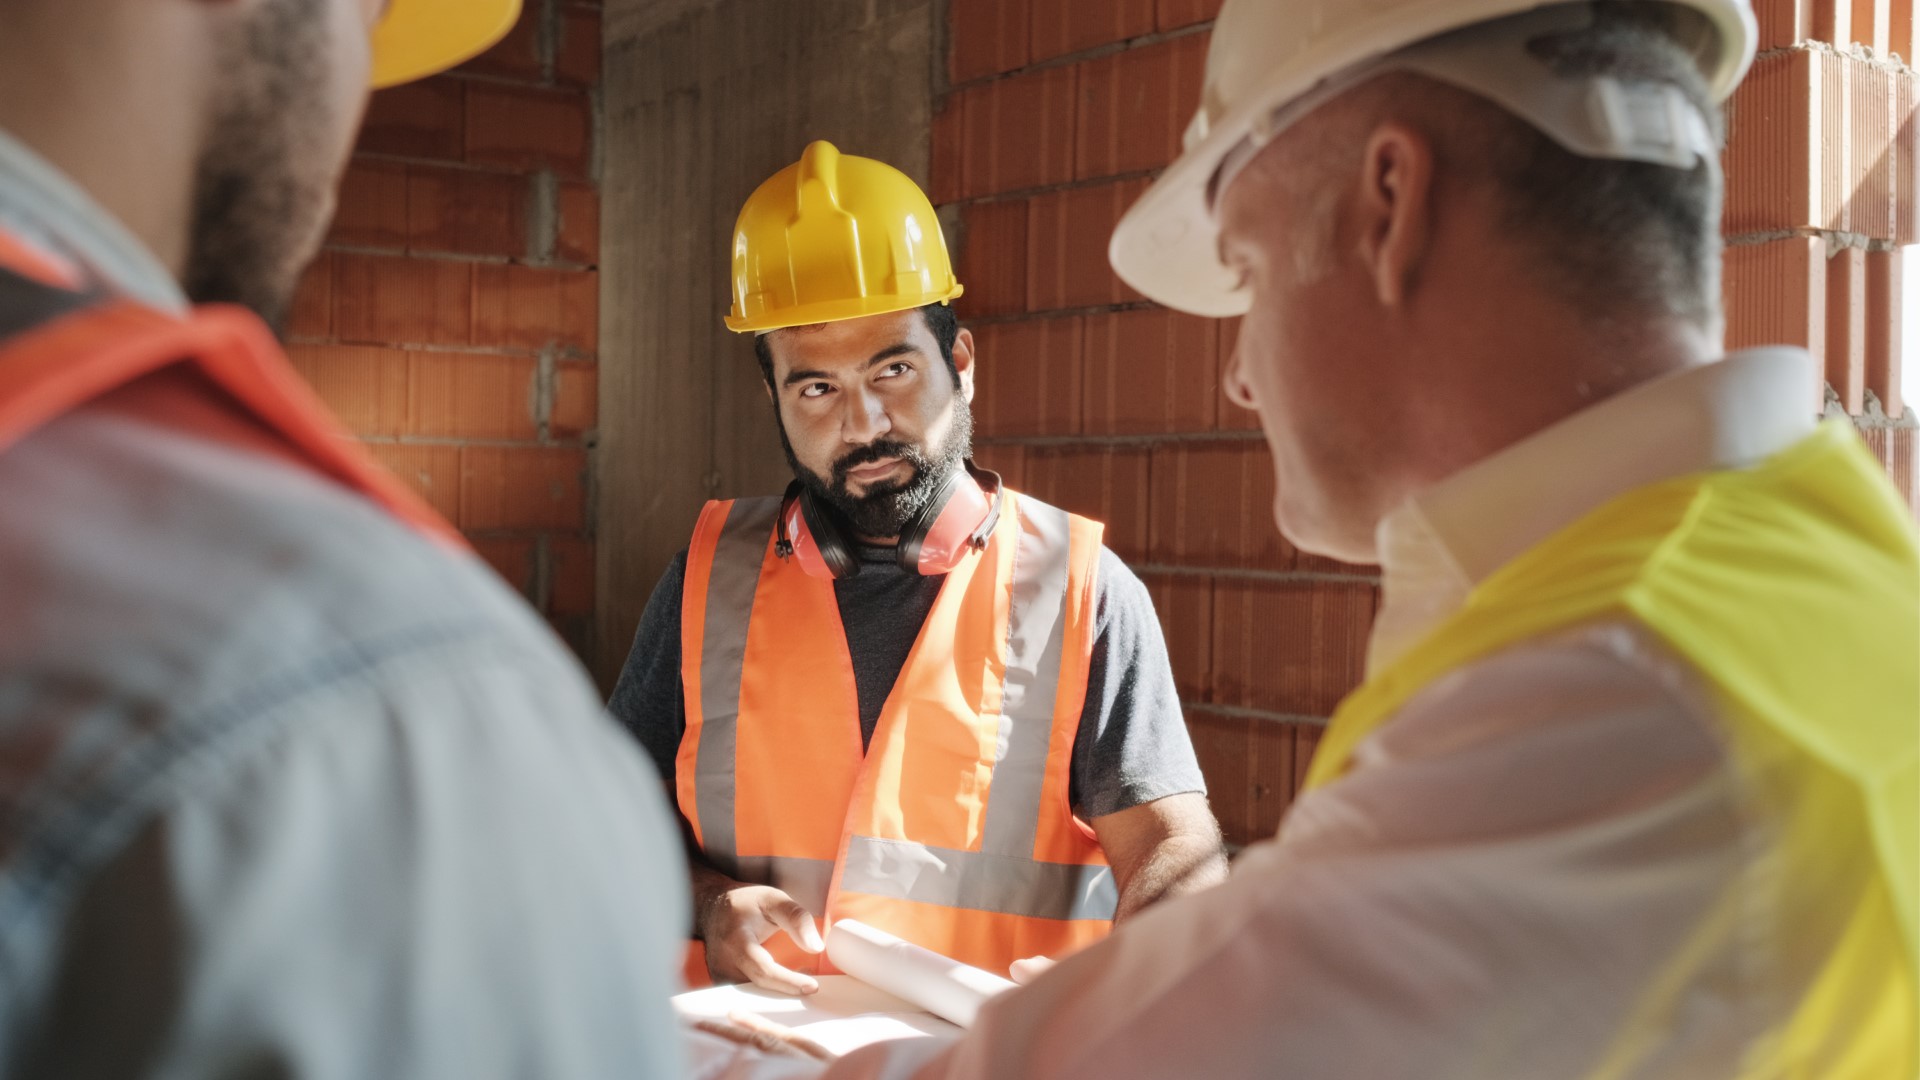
{"x": 865, "y": 419}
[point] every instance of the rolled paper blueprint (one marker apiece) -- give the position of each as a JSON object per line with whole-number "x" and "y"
{"x": 946, "y": 988}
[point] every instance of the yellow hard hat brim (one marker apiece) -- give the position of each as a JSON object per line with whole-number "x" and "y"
{"x": 418, "y": 38}
{"x": 839, "y": 311}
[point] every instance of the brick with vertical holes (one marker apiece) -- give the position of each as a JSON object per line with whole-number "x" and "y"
{"x": 1017, "y": 133}
{"x": 1846, "y": 366}
{"x": 1221, "y": 744}
{"x": 947, "y": 182}
{"x": 1884, "y": 329}
{"x": 525, "y": 127}
{"x": 531, "y": 308}
{"x": 993, "y": 259}
{"x": 373, "y": 207}
{"x": 1213, "y": 506}
{"x": 1899, "y": 450}
{"x": 513, "y": 487}
{"x": 364, "y": 385}
{"x": 472, "y": 396}
{"x": 393, "y": 300}
{"x": 1777, "y": 295}
{"x": 1068, "y": 26}
{"x": 1272, "y": 773}
{"x": 1151, "y": 371}
{"x": 1027, "y": 377}
{"x": 425, "y": 119}
{"x": 431, "y": 471}
{"x": 1108, "y": 484}
{"x": 1067, "y": 234}
{"x": 1184, "y": 603}
{"x": 989, "y": 37}
{"x": 1783, "y": 22}
{"x": 465, "y": 212}
{"x": 1289, "y": 646}
{"x": 1174, "y": 14}
{"x": 311, "y": 315}
{"x": 1134, "y": 105}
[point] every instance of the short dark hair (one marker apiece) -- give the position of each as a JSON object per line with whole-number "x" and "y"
{"x": 1612, "y": 237}
{"x": 940, "y": 319}
{"x": 1623, "y": 233}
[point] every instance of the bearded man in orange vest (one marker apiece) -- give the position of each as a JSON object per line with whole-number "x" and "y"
{"x": 901, "y": 693}
{"x": 290, "y": 783}
{"x": 1632, "y": 788}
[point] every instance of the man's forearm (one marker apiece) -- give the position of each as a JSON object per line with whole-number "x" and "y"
{"x": 1177, "y": 865}
{"x": 709, "y": 885}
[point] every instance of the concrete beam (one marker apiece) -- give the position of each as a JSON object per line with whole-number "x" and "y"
{"x": 703, "y": 100}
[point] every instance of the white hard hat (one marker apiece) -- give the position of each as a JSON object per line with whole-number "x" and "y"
{"x": 1273, "y": 61}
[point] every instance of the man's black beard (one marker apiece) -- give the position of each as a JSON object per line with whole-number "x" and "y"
{"x": 888, "y": 505}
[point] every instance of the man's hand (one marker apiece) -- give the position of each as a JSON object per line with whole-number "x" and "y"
{"x": 736, "y": 921}
{"x": 752, "y": 1029}
{"x": 1025, "y": 971}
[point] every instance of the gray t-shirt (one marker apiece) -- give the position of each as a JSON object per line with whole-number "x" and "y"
{"x": 1132, "y": 747}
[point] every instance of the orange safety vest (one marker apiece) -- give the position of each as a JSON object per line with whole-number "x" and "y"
{"x": 217, "y": 372}
{"x": 953, "y": 830}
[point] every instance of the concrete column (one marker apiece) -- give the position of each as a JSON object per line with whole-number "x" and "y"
{"x": 704, "y": 99}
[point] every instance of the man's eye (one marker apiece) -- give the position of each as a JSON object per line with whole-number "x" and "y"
{"x": 814, "y": 390}
{"x": 893, "y": 370}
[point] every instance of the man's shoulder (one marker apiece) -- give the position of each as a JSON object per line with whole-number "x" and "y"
{"x": 176, "y": 605}
{"x": 214, "y": 561}
{"x": 176, "y": 597}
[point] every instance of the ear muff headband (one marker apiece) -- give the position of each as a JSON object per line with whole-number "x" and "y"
{"x": 956, "y": 522}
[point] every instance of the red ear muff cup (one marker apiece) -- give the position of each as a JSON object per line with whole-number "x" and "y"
{"x": 800, "y": 542}
{"x": 951, "y": 537}
{"x": 835, "y": 552}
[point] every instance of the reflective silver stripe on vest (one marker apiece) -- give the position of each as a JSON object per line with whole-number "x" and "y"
{"x": 723, "y": 649}
{"x": 978, "y": 880}
{"x": 806, "y": 880}
{"x": 1036, "y": 636}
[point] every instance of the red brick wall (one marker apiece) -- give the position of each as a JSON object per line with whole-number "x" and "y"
{"x": 453, "y": 318}
{"x": 1821, "y": 164}
{"x": 1059, "y": 112}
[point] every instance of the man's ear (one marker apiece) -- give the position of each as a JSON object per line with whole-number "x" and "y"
{"x": 1395, "y": 209}
{"x": 963, "y": 363}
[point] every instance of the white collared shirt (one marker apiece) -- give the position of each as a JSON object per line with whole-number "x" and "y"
{"x": 1514, "y": 856}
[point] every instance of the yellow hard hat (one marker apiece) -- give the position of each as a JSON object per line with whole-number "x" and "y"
{"x": 836, "y": 237}
{"x": 418, "y": 38}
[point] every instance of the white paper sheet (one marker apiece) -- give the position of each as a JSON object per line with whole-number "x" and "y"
{"x": 944, "y": 987}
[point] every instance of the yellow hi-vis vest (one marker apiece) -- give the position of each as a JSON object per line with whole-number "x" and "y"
{"x": 1793, "y": 588}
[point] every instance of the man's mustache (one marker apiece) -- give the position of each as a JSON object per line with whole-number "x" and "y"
{"x": 877, "y": 451}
